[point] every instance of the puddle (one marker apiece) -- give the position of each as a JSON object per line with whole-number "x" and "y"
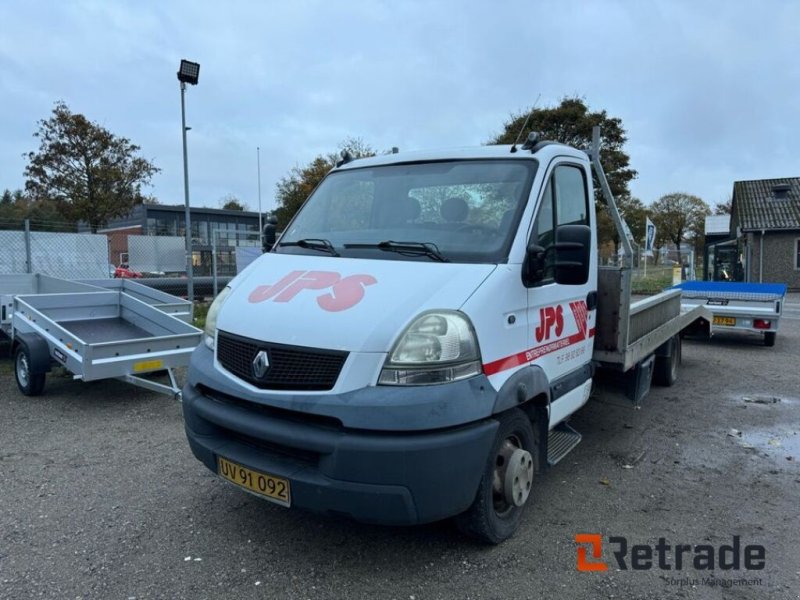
{"x": 778, "y": 444}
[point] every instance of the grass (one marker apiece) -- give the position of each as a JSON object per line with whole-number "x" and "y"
{"x": 658, "y": 278}
{"x": 200, "y": 312}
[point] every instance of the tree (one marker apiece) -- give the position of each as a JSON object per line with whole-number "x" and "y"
{"x": 571, "y": 123}
{"x": 231, "y": 202}
{"x": 724, "y": 208}
{"x": 43, "y": 213}
{"x": 677, "y": 215}
{"x": 292, "y": 190}
{"x": 91, "y": 174}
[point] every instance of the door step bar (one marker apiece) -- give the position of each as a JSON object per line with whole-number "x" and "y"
{"x": 560, "y": 441}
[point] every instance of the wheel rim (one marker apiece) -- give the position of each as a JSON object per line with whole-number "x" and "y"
{"x": 23, "y": 370}
{"x": 512, "y": 476}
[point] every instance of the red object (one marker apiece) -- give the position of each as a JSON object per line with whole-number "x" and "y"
{"x": 124, "y": 272}
{"x": 760, "y": 323}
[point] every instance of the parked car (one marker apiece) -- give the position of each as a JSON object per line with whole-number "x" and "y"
{"x": 125, "y": 272}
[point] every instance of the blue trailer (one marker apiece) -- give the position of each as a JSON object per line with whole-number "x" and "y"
{"x": 736, "y": 306}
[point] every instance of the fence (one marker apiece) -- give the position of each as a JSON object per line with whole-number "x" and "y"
{"x": 60, "y": 254}
{"x": 157, "y": 254}
{"x": 231, "y": 252}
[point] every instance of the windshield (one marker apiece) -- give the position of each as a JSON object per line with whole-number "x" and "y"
{"x": 457, "y": 211}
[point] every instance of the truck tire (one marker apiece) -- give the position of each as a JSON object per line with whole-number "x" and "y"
{"x": 494, "y": 516}
{"x": 769, "y": 338}
{"x": 30, "y": 384}
{"x": 665, "y": 371}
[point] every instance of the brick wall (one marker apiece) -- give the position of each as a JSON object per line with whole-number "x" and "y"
{"x": 780, "y": 253}
{"x": 118, "y": 241}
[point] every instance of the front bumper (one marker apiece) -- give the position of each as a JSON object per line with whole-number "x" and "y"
{"x": 393, "y": 478}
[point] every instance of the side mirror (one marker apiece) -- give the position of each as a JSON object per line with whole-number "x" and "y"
{"x": 270, "y": 232}
{"x": 573, "y": 245}
{"x": 533, "y": 265}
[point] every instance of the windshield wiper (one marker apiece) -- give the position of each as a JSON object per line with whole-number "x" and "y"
{"x": 428, "y": 249}
{"x": 313, "y": 244}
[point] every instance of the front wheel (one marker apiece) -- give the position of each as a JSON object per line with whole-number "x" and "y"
{"x": 506, "y": 484}
{"x": 29, "y": 383}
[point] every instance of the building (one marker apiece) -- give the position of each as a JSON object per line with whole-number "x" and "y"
{"x": 229, "y": 228}
{"x": 763, "y": 242}
{"x": 720, "y": 251}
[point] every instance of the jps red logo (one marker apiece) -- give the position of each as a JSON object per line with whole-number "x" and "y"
{"x": 345, "y": 292}
{"x": 550, "y": 317}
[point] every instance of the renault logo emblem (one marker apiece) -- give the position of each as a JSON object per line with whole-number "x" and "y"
{"x": 260, "y": 364}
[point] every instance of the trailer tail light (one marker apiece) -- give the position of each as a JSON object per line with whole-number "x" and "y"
{"x": 761, "y": 324}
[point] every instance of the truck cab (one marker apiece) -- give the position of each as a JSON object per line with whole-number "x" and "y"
{"x": 412, "y": 346}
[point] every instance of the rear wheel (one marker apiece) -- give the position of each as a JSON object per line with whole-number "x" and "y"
{"x": 29, "y": 383}
{"x": 665, "y": 372}
{"x": 506, "y": 484}
{"x": 769, "y": 338}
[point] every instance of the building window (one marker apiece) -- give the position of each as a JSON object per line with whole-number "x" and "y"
{"x": 797, "y": 253}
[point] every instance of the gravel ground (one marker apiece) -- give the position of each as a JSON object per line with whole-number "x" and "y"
{"x": 101, "y": 498}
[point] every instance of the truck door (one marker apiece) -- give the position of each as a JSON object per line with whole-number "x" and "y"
{"x": 561, "y": 325}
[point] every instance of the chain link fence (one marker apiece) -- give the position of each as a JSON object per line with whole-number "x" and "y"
{"x": 33, "y": 247}
{"x": 231, "y": 252}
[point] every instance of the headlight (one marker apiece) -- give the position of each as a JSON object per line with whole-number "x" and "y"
{"x": 211, "y": 318}
{"x": 438, "y": 347}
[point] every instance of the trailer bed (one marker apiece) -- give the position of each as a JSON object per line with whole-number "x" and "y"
{"x": 112, "y": 329}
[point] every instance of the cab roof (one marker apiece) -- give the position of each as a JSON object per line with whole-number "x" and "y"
{"x": 541, "y": 151}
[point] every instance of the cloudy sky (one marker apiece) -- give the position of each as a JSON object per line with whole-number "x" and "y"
{"x": 709, "y": 92}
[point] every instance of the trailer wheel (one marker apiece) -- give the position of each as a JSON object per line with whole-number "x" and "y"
{"x": 29, "y": 383}
{"x": 769, "y": 338}
{"x": 506, "y": 484}
{"x": 665, "y": 372}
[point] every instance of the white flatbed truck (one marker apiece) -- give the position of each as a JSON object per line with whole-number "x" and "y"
{"x": 412, "y": 347}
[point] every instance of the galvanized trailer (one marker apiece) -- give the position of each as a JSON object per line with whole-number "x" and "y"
{"x": 94, "y": 333}
{"x": 736, "y": 306}
{"x": 172, "y": 305}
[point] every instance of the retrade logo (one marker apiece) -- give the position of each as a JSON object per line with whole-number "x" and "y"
{"x": 667, "y": 557}
{"x": 345, "y": 292}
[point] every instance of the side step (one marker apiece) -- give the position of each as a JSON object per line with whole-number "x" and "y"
{"x": 560, "y": 441}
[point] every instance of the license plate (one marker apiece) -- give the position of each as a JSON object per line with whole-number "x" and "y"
{"x": 730, "y": 321}
{"x": 148, "y": 365}
{"x": 272, "y": 488}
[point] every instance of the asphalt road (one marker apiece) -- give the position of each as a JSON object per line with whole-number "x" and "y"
{"x": 100, "y": 497}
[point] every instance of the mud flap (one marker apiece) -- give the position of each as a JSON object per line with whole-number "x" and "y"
{"x": 638, "y": 379}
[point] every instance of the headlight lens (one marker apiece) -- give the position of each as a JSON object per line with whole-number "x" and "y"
{"x": 211, "y": 318}
{"x": 438, "y": 347}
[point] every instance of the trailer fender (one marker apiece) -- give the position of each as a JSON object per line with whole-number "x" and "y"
{"x": 529, "y": 383}
{"x": 38, "y": 351}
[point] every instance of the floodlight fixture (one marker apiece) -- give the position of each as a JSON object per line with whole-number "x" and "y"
{"x": 188, "y": 72}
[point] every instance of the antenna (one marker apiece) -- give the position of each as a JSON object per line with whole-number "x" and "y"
{"x": 524, "y": 125}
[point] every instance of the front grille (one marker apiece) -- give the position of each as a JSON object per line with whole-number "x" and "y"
{"x": 290, "y": 367}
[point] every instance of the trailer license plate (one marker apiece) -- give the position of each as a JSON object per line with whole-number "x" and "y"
{"x": 148, "y": 365}
{"x": 729, "y": 321}
{"x": 275, "y": 489}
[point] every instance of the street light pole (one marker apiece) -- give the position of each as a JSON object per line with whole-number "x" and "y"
{"x": 188, "y": 72}
{"x": 260, "y": 225}
{"x": 188, "y": 230}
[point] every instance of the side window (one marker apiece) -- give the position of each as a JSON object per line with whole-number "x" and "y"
{"x": 572, "y": 207}
{"x": 544, "y": 227}
{"x": 564, "y": 202}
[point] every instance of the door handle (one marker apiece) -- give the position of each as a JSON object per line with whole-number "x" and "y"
{"x": 591, "y": 300}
